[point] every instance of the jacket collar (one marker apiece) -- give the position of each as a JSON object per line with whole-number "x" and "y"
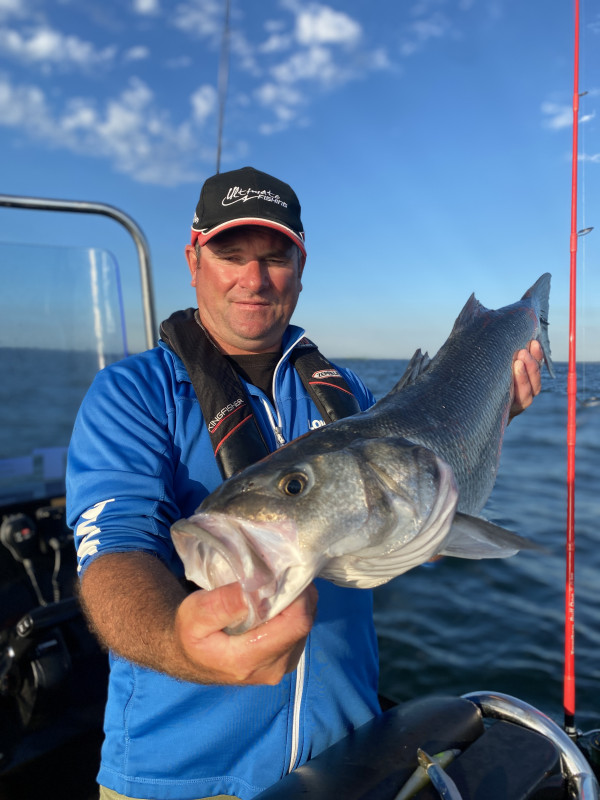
{"x": 293, "y": 334}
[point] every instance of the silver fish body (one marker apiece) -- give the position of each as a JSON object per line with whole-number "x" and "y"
{"x": 368, "y": 497}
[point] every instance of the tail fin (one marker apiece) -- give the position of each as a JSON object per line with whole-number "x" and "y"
{"x": 540, "y": 294}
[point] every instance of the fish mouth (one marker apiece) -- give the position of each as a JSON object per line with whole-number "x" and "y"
{"x": 263, "y": 557}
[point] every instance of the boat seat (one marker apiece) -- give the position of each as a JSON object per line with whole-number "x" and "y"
{"x": 375, "y": 761}
{"x": 508, "y": 763}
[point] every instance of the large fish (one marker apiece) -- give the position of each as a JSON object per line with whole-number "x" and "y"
{"x": 368, "y": 497}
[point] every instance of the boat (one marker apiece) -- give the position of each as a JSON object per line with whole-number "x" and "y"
{"x": 53, "y": 673}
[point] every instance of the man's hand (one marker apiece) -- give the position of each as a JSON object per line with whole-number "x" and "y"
{"x": 141, "y": 612}
{"x": 526, "y": 377}
{"x": 260, "y": 656}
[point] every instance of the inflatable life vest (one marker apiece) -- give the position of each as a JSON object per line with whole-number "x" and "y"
{"x": 236, "y": 438}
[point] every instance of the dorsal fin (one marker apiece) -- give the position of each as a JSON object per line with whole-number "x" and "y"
{"x": 420, "y": 362}
{"x": 471, "y": 309}
{"x": 416, "y": 366}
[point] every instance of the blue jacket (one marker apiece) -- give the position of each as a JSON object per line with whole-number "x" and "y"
{"x": 141, "y": 458}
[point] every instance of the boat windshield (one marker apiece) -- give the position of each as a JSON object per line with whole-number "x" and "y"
{"x": 62, "y": 320}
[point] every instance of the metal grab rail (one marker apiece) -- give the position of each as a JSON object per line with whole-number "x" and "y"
{"x": 582, "y": 781}
{"x": 141, "y": 244}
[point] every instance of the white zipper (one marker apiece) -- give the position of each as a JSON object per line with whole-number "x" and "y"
{"x": 300, "y": 669}
{"x": 298, "y": 692}
{"x": 277, "y": 424}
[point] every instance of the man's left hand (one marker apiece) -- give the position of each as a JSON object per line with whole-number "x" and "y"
{"x": 526, "y": 376}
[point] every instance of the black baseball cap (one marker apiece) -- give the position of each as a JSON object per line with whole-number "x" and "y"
{"x": 247, "y": 197}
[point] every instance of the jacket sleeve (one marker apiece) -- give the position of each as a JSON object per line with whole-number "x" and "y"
{"x": 120, "y": 465}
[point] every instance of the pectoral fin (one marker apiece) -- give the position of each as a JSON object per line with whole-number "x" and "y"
{"x": 473, "y": 537}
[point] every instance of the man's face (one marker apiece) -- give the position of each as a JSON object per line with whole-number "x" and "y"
{"x": 247, "y": 284}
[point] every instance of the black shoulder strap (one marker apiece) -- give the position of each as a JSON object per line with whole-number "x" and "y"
{"x": 328, "y": 389}
{"x": 235, "y": 436}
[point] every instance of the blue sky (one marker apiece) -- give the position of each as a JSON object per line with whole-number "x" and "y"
{"x": 429, "y": 142}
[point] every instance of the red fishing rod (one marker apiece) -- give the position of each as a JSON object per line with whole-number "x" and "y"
{"x": 569, "y": 668}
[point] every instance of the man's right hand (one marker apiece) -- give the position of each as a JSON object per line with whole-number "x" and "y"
{"x": 141, "y": 612}
{"x": 262, "y": 655}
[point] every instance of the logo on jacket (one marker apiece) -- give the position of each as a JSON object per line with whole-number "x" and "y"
{"x": 305, "y": 342}
{"x": 224, "y": 412}
{"x": 326, "y": 373}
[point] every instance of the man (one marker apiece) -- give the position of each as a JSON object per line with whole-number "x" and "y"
{"x": 193, "y": 712}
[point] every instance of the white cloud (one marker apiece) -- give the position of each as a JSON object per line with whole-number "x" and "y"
{"x": 309, "y": 48}
{"x": 421, "y": 31}
{"x": 594, "y": 26}
{"x": 322, "y": 48}
{"x": 276, "y": 43}
{"x": 282, "y": 100}
{"x": 316, "y": 63}
{"x": 271, "y": 93}
{"x": 423, "y": 7}
{"x": 11, "y": 8}
{"x": 79, "y": 115}
{"x": 319, "y": 24}
{"x": 201, "y": 18}
{"x": 138, "y": 53}
{"x": 23, "y": 105}
{"x": 130, "y": 131}
{"x": 560, "y": 115}
{"x": 433, "y": 28}
{"x": 557, "y": 116}
{"x": 45, "y": 45}
{"x": 205, "y": 19}
{"x": 146, "y": 6}
{"x": 274, "y": 25}
{"x": 594, "y": 159}
{"x": 204, "y": 103}
{"x": 379, "y": 59}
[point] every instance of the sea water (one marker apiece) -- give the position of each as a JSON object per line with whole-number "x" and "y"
{"x": 454, "y": 626}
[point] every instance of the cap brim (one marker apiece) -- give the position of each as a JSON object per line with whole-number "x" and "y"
{"x": 202, "y": 237}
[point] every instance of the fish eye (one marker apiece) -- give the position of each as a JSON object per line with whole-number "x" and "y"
{"x": 294, "y": 484}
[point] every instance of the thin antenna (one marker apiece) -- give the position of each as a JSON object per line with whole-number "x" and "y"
{"x": 223, "y": 81}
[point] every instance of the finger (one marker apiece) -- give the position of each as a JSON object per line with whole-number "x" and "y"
{"x": 532, "y": 368}
{"x": 522, "y": 393}
{"x": 536, "y": 350}
{"x": 294, "y": 622}
{"x": 306, "y": 603}
{"x": 527, "y": 382}
{"x": 260, "y": 656}
{"x": 207, "y": 611}
{"x": 284, "y": 636}
{"x": 301, "y": 613}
